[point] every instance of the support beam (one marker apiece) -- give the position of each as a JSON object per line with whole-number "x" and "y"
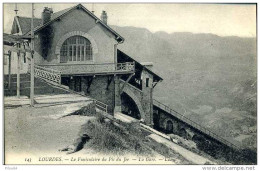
{"x": 32, "y": 81}
{"x": 89, "y": 79}
{"x": 109, "y": 80}
{"x": 154, "y": 84}
{"x": 117, "y": 97}
{"x": 32, "y": 60}
{"x": 128, "y": 79}
{"x": 115, "y": 53}
{"x": 9, "y": 69}
{"x": 16, "y": 49}
{"x": 18, "y": 75}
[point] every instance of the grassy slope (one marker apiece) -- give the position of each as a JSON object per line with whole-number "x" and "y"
{"x": 109, "y": 138}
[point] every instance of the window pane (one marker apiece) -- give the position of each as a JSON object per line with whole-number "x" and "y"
{"x": 81, "y": 40}
{"x": 72, "y": 40}
{"x": 70, "y": 53}
{"x": 88, "y": 52}
{"x": 74, "y": 53}
{"x": 147, "y": 82}
{"x": 82, "y": 53}
{"x": 78, "y": 53}
{"x": 63, "y": 52}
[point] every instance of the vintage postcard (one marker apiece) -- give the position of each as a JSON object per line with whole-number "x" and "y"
{"x": 133, "y": 83}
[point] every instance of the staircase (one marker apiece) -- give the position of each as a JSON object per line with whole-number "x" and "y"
{"x": 41, "y": 87}
{"x": 46, "y": 82}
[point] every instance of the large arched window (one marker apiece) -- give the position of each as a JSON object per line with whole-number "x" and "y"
{"x": 76, "y": 49}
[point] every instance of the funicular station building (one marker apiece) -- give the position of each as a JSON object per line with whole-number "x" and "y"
{"x": 76, "y": 49}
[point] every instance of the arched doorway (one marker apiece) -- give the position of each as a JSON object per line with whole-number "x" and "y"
{"x": 169, "y": 126}
{"x": 183, "y": 133}
{"x": 129, "y": 107}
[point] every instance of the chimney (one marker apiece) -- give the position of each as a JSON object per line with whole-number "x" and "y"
{"x": 46, "y": 15}
{"x": 104, "y": 17}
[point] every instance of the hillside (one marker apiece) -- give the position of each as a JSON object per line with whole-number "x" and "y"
{"x": 211, "y": 79}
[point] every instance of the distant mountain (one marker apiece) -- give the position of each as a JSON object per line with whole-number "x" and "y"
{"x": 209, "y": 78}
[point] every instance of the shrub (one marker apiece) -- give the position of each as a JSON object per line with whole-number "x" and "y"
{"x": 109, "y": 137}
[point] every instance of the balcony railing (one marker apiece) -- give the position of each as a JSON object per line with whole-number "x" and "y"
{"x": 68, "y": 69}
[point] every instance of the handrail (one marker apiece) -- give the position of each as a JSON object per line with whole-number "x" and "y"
{"x": 81, "y": 68}
{"x": 192, "y": 123}
{"x": 68, "y": 64}
{"x": 101, "y": 105}
{"x": 47, "y": 69}
{"x": 47, "y": 74}
{"x": 137, "y": 89}
{"x": 128, "y": 66}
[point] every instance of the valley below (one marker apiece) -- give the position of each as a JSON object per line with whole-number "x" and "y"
{"x": 208, "y": 78}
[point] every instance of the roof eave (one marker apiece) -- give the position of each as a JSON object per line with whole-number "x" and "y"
{"x": 105, "y": 25}
{"x": 147, "y": 69}
{"x": 18, "y": 24}
{"x": 119, "y": 38}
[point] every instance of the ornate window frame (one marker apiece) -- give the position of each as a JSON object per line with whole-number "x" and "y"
{"x": 76, "y": 33}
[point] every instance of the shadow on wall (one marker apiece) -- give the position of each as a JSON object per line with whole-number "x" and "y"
{"x": 129, "y": 107}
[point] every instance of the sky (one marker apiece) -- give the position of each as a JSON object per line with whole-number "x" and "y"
{"x": 219, "y": 19}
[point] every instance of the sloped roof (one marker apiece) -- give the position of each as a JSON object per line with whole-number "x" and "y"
{"x": 9, "y": 39}
{"x": 124, "y": 55}
{"x": 25, "y": 22}
{"x": 60, "y": 13}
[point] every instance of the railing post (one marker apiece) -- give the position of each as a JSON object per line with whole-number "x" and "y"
{"x": 95, "y": 103}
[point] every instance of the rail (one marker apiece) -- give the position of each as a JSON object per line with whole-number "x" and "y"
{"x": 128, "y": 66}
{"x": 101, "y": 106}
{"x": 192, "y": 123}
{"x": 47, "y": 74}
{"x": 131, "y": 86}
{"x": 81, "y": 68}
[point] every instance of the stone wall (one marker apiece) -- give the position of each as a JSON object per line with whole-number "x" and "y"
{"x": 179, "y": 127}
{"x": 147, "y": 99}
{"x": 142, "y": 98}
{"x": 97, "y": 90}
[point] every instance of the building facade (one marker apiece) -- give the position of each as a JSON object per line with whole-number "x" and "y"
{"x": 84, "y": 49}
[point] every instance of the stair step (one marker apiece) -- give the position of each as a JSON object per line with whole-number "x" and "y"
{"x": 23, "y": 77}
{"x": 23, "y": 84}
{"x": 41, "y": 87}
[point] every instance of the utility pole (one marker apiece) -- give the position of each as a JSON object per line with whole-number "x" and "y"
{"x": 16, "y": 9}
{"x": 32, "y": 60}
{"x": 18, "y": 72}
{"x": 9, "y": 69}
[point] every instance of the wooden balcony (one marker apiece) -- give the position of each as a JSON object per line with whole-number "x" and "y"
{"x": 88, "y": 69}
